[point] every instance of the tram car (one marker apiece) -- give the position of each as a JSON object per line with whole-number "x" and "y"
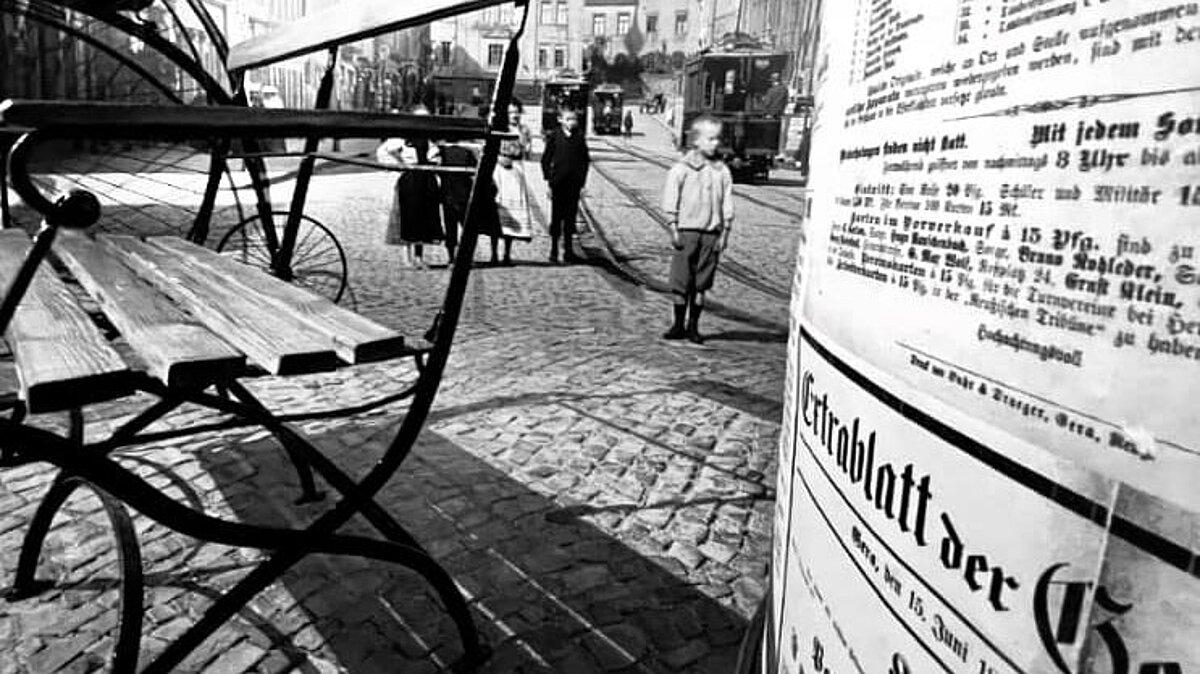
{"x": 739, "y": 84}
{"x": 607, "y": 111}
{"x": 564, "y": 93}
{"x": 462, "y": 95}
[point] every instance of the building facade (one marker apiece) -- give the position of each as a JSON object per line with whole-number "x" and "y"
{"x": 789, "y": 25}
{"x": 611, "y": 28}
{"x": 554, "y": 42}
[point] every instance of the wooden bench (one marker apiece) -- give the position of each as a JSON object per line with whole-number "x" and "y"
{"x": 191, "y": 325}
{"x": 188, "y": 319}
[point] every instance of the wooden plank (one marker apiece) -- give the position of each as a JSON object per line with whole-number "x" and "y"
{"x": 348, "y": 21}
{"x": 356, "y": 339}
{"x": 178, "y": 350}
{"x": 62, "y": 360}
{"x": 186, "y": 122}
{"x": 277, "y": 342}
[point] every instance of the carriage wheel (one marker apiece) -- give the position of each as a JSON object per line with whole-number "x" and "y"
{"x": 145, "y": 187}
{"x": 318, "y": 262}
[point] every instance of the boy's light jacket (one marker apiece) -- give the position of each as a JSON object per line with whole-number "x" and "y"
{"x": 699, "y": 194}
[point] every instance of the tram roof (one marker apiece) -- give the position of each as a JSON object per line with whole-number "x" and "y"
{"x": 740, "y": 52}
{"x": 347, "y": 21}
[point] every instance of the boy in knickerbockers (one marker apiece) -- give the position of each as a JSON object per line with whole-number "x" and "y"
{"x": 698, "y": 200}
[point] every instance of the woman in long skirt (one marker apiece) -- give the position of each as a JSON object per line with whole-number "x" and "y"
{"x": 415, "y": 218}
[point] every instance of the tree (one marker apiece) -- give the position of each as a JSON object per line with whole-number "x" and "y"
{"x": 634, "y": 41}
{"x": 598, "y": 72}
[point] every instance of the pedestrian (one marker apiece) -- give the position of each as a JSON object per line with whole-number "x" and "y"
{"x": 414, "y": 219}
{"x": 456, "y": 191}
{"x": 565, "y": 163}
{"x": 776, "y": 99}
{"x": 698, "y": 200}
{"x": 628, "y": 124}
{"x": 512, "y": 200}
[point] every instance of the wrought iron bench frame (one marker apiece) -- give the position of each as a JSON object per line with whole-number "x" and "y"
{"x": 90, "y": 465}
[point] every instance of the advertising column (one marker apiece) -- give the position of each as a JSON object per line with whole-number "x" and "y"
{"x": 991, "y": 456}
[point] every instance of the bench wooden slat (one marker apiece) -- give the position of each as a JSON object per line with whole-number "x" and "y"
{"x": 177, "y": 349}
{"x": 277, "y": 342}
{"x": 356, "y": 339}
{"x": 62, "y": 359}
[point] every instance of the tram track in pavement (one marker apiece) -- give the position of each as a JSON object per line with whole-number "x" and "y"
{"x": 665, "y": 162}
{"x": 731, "y": 267}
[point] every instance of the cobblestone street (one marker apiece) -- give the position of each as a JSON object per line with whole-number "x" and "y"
{"x": 603, "y": 497}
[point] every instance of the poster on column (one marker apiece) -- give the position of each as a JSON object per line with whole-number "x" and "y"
{"x": 991, "y": 443}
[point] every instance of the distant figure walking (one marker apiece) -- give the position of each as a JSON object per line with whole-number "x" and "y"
{"x": 628, "y": 124}
{"x": 565, "y": 163}
{"x": 698, "y": 200}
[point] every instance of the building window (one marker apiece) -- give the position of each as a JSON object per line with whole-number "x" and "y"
{"x": 445, "y": 54}
{"x": 547, "y": 14}
{"x": 560, "y": 57}
{"x": 622, "y": 23}
{"x": 542, "y": 59}
{"x": 495, "y": 54}
{"x": 651, "y": 23}
{"x": 562, "y": 11}
{"x": 599, "y": 24}
{"x": 681, "y": 23}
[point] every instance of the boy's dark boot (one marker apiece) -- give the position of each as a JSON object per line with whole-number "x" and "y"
{"x": 693, "y": 324}
{"x": 677, "y": 331}
{"x": 569, "y": 255}
{"x": 554, "y": 250}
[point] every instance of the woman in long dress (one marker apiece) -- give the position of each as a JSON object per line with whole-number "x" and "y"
{"x": 415, "y": 218}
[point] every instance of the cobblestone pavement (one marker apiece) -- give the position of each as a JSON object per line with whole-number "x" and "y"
{"x": 602, "y": 496}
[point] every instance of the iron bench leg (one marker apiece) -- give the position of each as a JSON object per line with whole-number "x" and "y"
{"x": 26, "y": 585}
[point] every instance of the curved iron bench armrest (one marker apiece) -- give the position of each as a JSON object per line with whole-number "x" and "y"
{"x": 78, "y": 209}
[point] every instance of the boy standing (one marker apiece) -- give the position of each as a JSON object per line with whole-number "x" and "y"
{"x": 698, "y": 200}
{"x": 565, "y": 164}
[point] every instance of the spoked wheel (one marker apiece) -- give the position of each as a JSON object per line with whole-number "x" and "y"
{"x": 318, "y": 262}
{"x": 145, "y": 187}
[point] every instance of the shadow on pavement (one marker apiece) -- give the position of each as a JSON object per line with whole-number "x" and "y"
{"x": 572, "y": 513}
{"x": 562, "y": 598}
{"x": 733, "y": 396}
{"x": 762, "y": 337}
